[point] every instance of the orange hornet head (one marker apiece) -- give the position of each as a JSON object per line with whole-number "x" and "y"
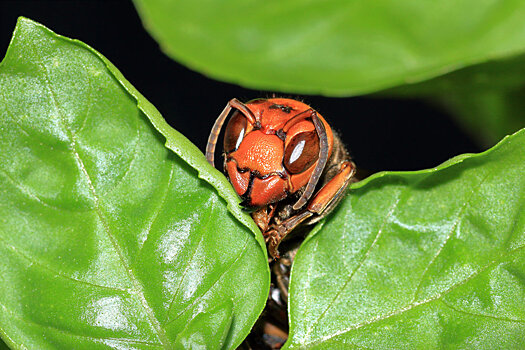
{"x": 273, "y": 148}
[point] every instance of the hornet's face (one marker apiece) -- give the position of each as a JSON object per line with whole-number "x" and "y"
{"x": 272, "y": 148}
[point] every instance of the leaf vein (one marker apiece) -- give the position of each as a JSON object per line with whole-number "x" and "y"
{"x": 497, "y": 318}
{"x": 89, "y": 103}
{"x": 188, "y": 263}
{"x": 20, "y": 252}
{"x": 449, "y": 236}
{"x": 230, "y": 266}
{"x": 158, "y": 209}
{"x": 26, "y": 191}
{"x": 130, "y": 164}
{"x": 361, "y": 262}
{"x": 70, "y": 333}
{"x": 15, "y": 120}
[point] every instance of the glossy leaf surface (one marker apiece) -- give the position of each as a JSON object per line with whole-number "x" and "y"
{"x": 334, "y": 47}
{"x": 429, "y": 259}
{"x": 108, "y": 238}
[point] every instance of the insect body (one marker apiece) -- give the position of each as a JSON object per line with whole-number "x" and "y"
{"x": 284, "y": 161}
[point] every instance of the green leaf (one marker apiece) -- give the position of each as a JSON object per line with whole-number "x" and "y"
{"x": 419, "y": 260}
{"x": 334, "y": 47}
{"x": 487, "y": 115}
{"x": 504, "y": 74}
{"x": 107, "y": 238}
{"x": 486, "y": 99}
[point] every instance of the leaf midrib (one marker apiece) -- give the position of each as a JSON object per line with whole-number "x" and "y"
{"x": 137, "y": 285}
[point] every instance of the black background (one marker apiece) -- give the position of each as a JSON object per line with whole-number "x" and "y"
{"x": 382, "y": 134}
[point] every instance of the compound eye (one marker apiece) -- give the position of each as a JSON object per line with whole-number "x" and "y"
{"x": 235, "y": 131}
{"x": 301, "y": 152}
